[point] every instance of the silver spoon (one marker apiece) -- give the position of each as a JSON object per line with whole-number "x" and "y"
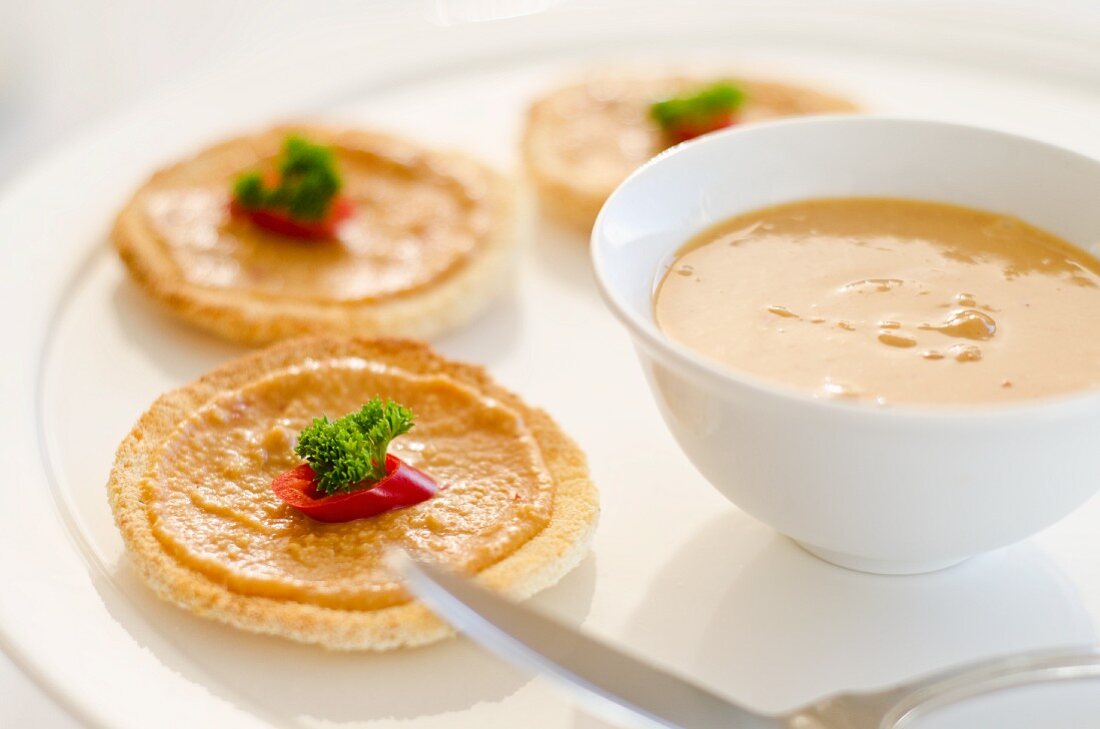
{"x": 628, "y": 691}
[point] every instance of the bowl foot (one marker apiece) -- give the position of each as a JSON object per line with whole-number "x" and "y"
{"x": 877, "y": 566}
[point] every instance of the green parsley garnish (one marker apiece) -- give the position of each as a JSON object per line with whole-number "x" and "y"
{"x": 352, "y": 449}
{"x": 308, "y": 183}
{"x": 699, "y": 108}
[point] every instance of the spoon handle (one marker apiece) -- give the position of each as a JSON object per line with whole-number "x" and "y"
{"x": 954, "y": 685}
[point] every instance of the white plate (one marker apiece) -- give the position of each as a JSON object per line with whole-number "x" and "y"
{"x": 677, "y": 573}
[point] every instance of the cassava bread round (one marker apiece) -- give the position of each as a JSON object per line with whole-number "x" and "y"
{"x": 535, "y": 565}
{"x": 260, "y": 317}
{"x": 581, "y": 140}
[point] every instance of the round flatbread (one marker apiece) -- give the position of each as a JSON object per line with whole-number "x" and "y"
{"x": 582, "y": 140}
{"x": 191, "y": 494}
{"x": 428, "y": 244}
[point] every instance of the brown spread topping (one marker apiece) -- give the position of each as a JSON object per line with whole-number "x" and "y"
{"x": 416, "y": 219}
{"x": 211, "y": 505}
{"x": 598, "y": 132}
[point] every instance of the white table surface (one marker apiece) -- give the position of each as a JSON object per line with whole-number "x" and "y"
{"x": 65, "y": 66}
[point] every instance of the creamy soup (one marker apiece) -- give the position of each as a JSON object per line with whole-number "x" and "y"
{"x": 889, "y": 301}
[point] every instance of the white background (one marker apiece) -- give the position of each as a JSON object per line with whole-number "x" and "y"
{"x": 67, "y": 66}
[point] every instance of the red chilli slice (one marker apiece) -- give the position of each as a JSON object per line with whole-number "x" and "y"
{"x": 403, "y": 486}
{"x": 278, "y": 221}
{"x": 685, "y": 131}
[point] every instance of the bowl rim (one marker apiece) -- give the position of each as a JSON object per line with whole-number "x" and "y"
{"x": 1062, "y": 405}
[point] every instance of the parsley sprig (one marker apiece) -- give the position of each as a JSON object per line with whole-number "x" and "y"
{"x": 699, "y": 108}
{"x": 307, "y": 184}
{"x": 350, "y": 450}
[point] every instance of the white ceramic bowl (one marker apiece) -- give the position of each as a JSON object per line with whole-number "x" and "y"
{"x": 897, "y": 490}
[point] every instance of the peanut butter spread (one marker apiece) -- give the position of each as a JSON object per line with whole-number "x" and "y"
{"x": 209, "y": 498}
{"x": 891, "y": 301}
{"x": 418, "y": 216}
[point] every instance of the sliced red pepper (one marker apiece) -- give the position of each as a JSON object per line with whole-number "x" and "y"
{"x": 403, "y": 486}
{"x": 690, "y": 130}
{"x": 279, "y": 221}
